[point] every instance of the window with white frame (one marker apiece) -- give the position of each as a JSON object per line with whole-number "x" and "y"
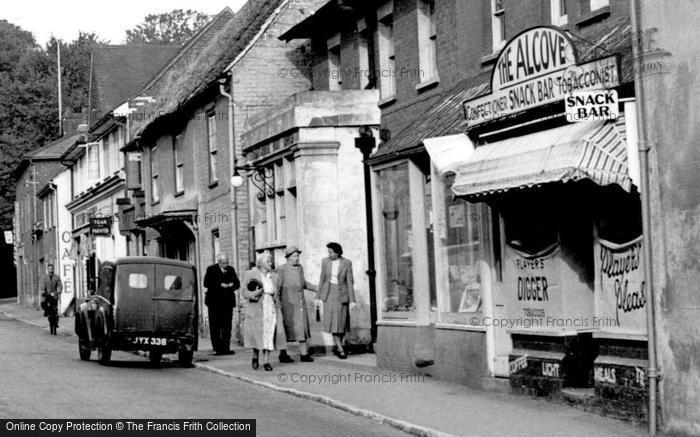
{"x": 155, "y": 195}
{"x": 363, "y": 53}
{"x": 498, "y": 24}
{"x": 93, "y": 161}
{"x": 597, "y": 4}
{"x": 387, "y": 59}
{"x": 49, "y": 205}
{"x": 280, "y": 207}
{"x": 178, "y": 142}
{"x": 215, "y": 244}
{"x": 335, "y": 79}
{"x": 106, "y": 147}
{"x": 427, "y": 40}
{"x": 559, "y": 13}
{"x": 212, "y": 147}
{"x": 273, "y": 210}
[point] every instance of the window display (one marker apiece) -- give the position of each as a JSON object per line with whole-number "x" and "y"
{"x": 460, "y": 258}
{"x": 395, "y": 210}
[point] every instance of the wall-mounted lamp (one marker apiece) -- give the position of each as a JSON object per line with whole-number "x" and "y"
{"x": 258, "y": 177}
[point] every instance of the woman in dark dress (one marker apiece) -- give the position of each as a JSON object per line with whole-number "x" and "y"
{"x": 292, "y": 284}
{"x": 336, "y": 290}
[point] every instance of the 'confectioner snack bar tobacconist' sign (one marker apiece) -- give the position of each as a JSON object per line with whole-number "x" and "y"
{"x": 538, "y": 67}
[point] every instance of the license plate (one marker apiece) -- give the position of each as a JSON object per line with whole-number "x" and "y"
{"x": 150, "y": 341}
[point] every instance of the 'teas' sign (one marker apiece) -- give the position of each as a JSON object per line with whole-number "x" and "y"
{"x": 101, "y": 226}
{"x": 591, "y": 105}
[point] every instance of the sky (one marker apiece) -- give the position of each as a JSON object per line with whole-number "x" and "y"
{"x": 108, "y": 19}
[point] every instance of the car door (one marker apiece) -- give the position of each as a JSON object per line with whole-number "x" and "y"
{"x": 174, "y": 300}
{"x": 133, "y": 299}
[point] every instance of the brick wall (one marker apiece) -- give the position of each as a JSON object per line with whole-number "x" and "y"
{"x": 464, "y": 45}
{"x": 37, "y": 253}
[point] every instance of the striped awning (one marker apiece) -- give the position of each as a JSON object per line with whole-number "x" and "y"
{"x": 594, "y": 150}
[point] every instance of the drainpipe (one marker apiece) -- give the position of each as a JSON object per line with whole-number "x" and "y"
{"x": 232, "y": 165}
{"x": 233, "y": 160}
{"x": 652, "y": 371}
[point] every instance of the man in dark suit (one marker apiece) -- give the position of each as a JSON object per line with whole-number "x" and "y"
{"x": 221, "y": 283}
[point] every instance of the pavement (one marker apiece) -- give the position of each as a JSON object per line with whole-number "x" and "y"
{"x": 414, "y": 403}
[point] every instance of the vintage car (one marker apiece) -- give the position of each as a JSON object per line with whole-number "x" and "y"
{"x": 141, "y": 303}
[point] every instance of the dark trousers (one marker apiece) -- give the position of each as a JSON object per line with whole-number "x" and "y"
{"x": 220, "y": 327}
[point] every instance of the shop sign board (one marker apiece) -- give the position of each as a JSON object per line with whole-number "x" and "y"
{"x": 537, "y": 67}
{"x": 101, "y": 226}
{"x": 533, "y": 286}
{"x": 591, "y": 105}
{"x": 620, "y": 291}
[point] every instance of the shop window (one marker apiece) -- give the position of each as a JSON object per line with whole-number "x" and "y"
{"x": 461, "y": 251}
{"x": 397, "y": 229}
{"x": 530, "y": 222}
{"x": 430, "y": 235}
{"x": 618, "y": 215}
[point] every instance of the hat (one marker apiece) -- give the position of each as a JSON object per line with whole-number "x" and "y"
{"x": 290, "y": 250}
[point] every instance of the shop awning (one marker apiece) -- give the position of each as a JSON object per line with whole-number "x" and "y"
{"x": 588, "y": 150}
{"x": 448, "y": 152}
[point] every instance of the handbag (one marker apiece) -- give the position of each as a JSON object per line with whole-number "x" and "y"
{"x": 253, "y": 285}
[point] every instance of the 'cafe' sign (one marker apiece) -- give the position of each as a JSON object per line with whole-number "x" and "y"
{"x": 537, "y": 67}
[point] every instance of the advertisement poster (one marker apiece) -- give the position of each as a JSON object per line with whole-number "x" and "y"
{"x": 620, "y": 292}
{"x": 533, "y": 283}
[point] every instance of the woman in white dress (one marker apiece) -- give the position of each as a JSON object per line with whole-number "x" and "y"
{"x": 260, "y": 286}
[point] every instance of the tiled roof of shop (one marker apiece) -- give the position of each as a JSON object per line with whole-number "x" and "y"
{"x": 55, "y": 149}
{"x": 444, "y": 118}
{"x": 51, "y": 151}
{"x": 118, "y": 71}
{"x": 186, "y": 80}
{"x": 447, "y": 116}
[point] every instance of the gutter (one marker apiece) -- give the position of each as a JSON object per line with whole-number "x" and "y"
{"x": 652, "y": 371}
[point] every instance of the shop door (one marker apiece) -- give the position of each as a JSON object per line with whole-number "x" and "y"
{"x": 501, "y": 338}
{"x": 502, "y": 342}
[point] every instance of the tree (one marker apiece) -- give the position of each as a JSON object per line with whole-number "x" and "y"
{"x": 75, "y": 66}
{"x": 29, "y": 98}
{"x": 174, "y": 27}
